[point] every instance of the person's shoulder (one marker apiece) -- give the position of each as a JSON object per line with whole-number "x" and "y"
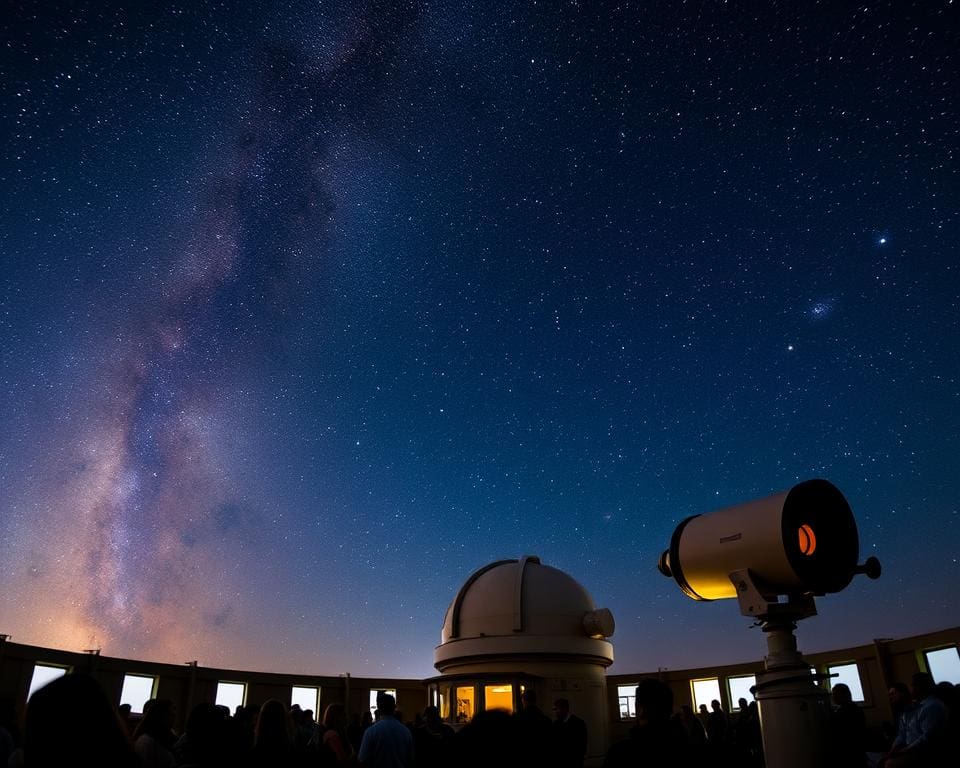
{"x": 933, "y": 704}
{"x": 391, "y": 725}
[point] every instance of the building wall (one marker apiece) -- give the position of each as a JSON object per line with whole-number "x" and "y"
{"x": 879, "y": 664}
{"x": 189, "y": 685}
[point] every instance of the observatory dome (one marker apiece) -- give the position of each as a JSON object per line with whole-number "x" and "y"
{"x": 522, "y": 607}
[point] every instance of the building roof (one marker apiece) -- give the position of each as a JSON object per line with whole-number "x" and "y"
{"x": 521, "y": 607}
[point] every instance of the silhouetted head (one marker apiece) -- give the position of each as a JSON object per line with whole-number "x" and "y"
{"x": 204, "y": 717}
{"x": 386, "y": 704}
{"x": 528, "y": 698}
{"x": 335, "y": 716}
{"x": 947, "y": 693}
{"x": 157, "y": 721}
{"x": 206, "y": 730}
{"x": 431, "y": 716}
{"x": 70, "y": 721}
{"x": 841, "y": 694}
{"x": 274, "y": 725}
{"x": 561, "y": 708}
{"x": 703, "y": 709}
{"x": 715, "y": 705}
{"x": 742, "y": 703}
{"x": 654, "y": 701}
{"x": 921, "y": 685}
{"x": 899, "y": 696}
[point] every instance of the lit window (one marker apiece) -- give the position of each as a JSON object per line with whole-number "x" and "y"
{"x": 944, "y": 665}
{"x": 444, "y": 703}
{"x": 43, "y": 674}
{"x": 627, "y": 698}
{"x": 739, "y": 688}
{"x": 373, "y": 697}
{"x": 466, "y": 702}
{"x": 305, "y": 697}
{"x": 498, "y": 697}
{"x": 231, "y": 695}
{"x": 850, "y": 676}
{"x": 137, "y": 691}
{"x": 705, "y": 691}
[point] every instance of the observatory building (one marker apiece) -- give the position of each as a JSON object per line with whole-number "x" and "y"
{"x": 517, "y": 625}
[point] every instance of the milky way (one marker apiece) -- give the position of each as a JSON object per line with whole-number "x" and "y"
{"x": 310, "y": 310}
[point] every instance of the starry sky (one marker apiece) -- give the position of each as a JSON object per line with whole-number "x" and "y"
{"x": 310, "y": 309}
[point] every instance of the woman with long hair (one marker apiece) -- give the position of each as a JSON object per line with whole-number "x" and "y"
{"x": 153, "y": 738}
{"x": 335, "y": 734}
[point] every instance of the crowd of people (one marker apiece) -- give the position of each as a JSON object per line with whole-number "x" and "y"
{"x": 71, "y": 721}
{"x": 923, "y": 734}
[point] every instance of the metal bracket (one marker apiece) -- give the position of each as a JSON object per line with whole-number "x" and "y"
{"x": 764, "y": 607}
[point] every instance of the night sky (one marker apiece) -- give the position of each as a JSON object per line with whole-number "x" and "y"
{"x": 308, "y": 310}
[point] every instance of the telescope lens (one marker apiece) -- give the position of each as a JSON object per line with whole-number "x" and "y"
{"x": 808, "y": 540}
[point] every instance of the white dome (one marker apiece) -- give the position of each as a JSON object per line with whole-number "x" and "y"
{"x": 523, "y": 607}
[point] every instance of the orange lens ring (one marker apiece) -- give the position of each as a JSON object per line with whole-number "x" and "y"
{"x": 808, "y": 539}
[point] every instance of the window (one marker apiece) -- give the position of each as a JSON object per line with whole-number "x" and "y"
{"x": 944, "y": 665}
{"x": 306, "y": 697}
{"x": 444, "y": 702}
{"x": 466, "y": 702}
{"x": 231, "y": 695}
{"x": 739, "y": 688}
{"x": 137, "y": 691}
{"x": 43, "y": 674}
{"x": 498, "y": 697}
{"x": 848, "y": 674}
{"x": 705, "y": 691}
{"x": 373, "y": 697}
{"x": 627, "y": 698}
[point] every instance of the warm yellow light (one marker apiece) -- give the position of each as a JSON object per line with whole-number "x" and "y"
{"x": 498, "y": 697}
{"x": 444, "y": 703}
{"x": 466, "y": 698}
{"x": 808, "y": 539}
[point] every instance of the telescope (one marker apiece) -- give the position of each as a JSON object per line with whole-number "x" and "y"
{"x": 802, "y": 542}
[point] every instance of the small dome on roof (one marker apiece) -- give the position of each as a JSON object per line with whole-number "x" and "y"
{"x": 528, "y": 607}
